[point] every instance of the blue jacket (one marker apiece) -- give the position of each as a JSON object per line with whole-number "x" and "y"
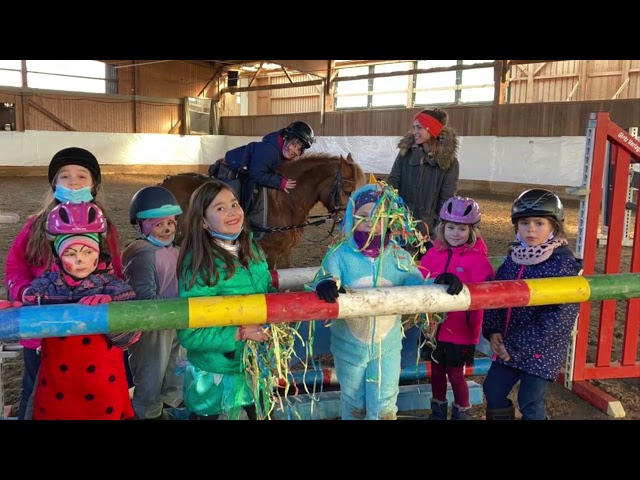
{"x": 352, "y": 269}
{"x": 261, "y": 159}
{"x": 536, "y": 338}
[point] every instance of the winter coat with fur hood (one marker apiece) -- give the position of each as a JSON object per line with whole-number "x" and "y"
{"x": 426, "y": 180}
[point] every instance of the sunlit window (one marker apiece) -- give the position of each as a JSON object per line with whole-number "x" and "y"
{"x": 438, "y": 87}
{"x": 477, "y": 83}
{"x": 10, "y": 74}
{"x": 390, "y": 91}
{"x": 68, "y": 75}
{"x": 352, "y": 93}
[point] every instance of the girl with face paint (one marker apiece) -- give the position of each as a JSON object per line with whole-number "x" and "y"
{"x": 150, "y": 268}
{"x": 74, "y": 176}
{"x": 80, "y": 377}
{"x": 219, "y": 257}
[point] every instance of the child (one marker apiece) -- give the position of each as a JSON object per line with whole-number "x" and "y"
{"x": 81, "y": 377}
{"x": 219, "y": 257}
{"x": 150, "y": 268}
{"x": 366, "y": 351}
{"x": 530, "y": 343}
{"x": 458, "y": 251}
{"x": 74, "y": 176}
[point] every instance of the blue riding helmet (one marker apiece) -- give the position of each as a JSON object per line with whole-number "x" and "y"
{"x": 152, "y": 202}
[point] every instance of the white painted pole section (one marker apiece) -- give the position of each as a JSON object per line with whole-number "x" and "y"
{"x": 9, "y": 217}
{"x": 295, "y": 277}
{"x": 402, "y": 301}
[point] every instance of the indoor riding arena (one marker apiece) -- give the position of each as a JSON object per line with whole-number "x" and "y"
{"x": 588, "y": 156}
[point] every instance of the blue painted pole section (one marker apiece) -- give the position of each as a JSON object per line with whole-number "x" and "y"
{"x": 72, "y": 319}
{"x": 327, "y": 376}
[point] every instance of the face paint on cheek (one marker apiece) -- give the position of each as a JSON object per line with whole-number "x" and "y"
{"x": 67, "y": 264}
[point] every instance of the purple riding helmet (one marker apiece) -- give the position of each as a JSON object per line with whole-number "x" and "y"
{"x": 75, "y": 218}
{"x": 460, "y": 210}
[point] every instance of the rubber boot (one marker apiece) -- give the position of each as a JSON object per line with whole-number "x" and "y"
{"x": 508, "y": 413}
{"x": 438, "y": 410}
{"x": 459, "y": 413}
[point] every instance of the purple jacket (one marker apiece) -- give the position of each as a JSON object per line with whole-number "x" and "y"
{"x": 469, "y": 264}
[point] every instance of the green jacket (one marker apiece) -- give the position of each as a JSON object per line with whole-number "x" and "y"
{"x": 215, "y": 349}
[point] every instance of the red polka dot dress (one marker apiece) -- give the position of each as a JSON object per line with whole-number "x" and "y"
{"x": 81, "y": 378}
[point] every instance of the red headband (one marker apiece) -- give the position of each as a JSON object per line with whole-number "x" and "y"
{"x": 428, "y": 122}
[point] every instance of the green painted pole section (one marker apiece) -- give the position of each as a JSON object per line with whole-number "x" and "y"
{"x": 621, "y": 286}
{"x": 496, "y": 262}
{"x": 162, "y": 314}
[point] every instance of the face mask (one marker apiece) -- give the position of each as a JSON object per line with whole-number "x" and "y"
{"x": 160, "y": 243}
{"x": 223, "y": 236}
{"x": 64, "y": 194}
{"x": 373, "y": 249}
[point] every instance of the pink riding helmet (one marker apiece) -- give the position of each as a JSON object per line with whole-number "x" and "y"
{"x": 68, "y": 218}
{"x": 460, "y": 210}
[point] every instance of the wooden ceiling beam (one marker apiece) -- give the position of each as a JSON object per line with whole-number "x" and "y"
{"x": 317, "y": 67}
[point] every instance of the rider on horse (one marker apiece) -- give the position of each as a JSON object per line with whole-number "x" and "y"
{"x": 254, "y": 165}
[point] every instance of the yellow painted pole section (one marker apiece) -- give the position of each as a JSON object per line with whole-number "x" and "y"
{"x": 544, "y": 291}
{"x": 233, "y": 309}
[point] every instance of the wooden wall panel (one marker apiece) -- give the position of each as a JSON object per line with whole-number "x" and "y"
{"x": 174, "y": 79}
{"x": 80, "y": 113}
{"x": 520, "y": 120}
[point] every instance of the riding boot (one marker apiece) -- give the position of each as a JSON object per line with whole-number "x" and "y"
{"x": 508, "y": 413}
{"x": 438, "y": 410}
{"x": 459, "y": 413}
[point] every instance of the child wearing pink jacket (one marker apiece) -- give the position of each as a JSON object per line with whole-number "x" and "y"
{"x": 459, "y": 255}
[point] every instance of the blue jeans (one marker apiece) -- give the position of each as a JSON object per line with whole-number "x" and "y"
{"x": 531, "y": 397}
{"x": 31, "y": 366}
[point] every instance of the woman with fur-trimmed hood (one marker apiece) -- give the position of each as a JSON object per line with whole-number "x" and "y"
{"x": 426, "y": 169}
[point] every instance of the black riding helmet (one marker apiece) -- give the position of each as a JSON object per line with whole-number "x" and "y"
{"x": 75, "y": 156}
{"x": 537, "y": 202}
{"x": 302, "y": 132}
{"x": 152, "y": 202}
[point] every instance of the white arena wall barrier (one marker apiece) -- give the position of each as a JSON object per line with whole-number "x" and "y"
{"x": 556, "y": 161}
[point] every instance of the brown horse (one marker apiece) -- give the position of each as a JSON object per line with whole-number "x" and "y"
{"x": 324, "y": 178}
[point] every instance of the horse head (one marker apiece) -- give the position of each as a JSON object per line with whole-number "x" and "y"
{"x": 349, "y": 176}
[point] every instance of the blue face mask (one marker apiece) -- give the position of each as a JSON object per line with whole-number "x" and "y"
{"x": 64, "y": 194}
{"x": 224, "y": 236}
{"x": 160, "y": 243}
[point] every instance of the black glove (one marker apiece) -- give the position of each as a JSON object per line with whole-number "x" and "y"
{"x": 327, "y": 290}
{"x": 455, "y": 285}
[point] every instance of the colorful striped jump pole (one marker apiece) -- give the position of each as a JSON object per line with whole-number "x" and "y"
{"x": 197, "y": 312}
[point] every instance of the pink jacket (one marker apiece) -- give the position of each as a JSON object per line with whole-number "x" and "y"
{"x": 469, "y": 264}
{"x": 19, "y": 273}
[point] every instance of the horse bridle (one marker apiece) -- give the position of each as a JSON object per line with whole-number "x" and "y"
{"x": 334, "y": 195}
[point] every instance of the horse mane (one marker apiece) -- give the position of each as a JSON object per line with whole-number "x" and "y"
{"x": 302, "y": 166}
{"x": 199, "y": 176}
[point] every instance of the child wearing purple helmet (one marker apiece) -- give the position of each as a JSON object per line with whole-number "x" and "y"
{"x": 459, "y": 255}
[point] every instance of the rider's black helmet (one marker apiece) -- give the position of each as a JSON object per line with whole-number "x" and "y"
{"x": 537, "y": 202}
{"x": 302, "y": 132}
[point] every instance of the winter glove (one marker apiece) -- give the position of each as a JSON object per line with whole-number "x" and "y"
{"x": 7, "y": 304}
{"x": 327, "y": 290}
{"x": 95, "y": 299}
{"x": 455, "y": 285}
